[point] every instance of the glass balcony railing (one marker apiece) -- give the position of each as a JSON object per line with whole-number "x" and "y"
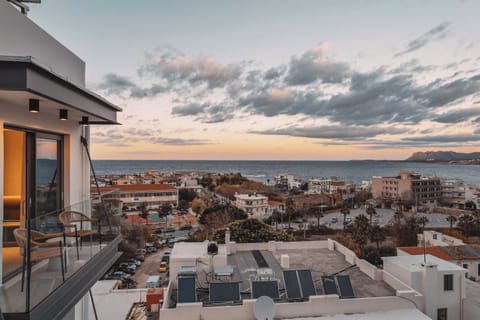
{"x": 53, "y": 247}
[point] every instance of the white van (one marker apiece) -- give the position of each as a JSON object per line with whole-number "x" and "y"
{"x": 153, "y": 282}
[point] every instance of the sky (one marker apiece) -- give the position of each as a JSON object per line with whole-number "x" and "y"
{"x": 277, "y": 80}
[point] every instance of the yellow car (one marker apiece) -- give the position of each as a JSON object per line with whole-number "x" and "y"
{"x": 163, "y": 267}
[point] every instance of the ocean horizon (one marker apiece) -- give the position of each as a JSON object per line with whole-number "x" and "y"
{"x": 263, "y": 170}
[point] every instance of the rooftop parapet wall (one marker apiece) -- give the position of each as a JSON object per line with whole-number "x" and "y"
{"x": 21, "y": 37}
{"x": 316, "y": 306}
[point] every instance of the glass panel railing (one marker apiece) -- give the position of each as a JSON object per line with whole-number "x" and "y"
{"x": 57, "y": 245}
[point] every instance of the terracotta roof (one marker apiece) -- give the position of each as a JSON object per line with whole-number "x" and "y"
{"x": 274, "y": 203}
{"x": 138, "y": 187}
{"x": 434, "y": 251}
{"x": 464, "y": 252}
{"x": 338, "y": 183}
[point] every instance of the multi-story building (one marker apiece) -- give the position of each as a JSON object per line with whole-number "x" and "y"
{"x": 152, "y": 196}
{"x": 285, "y": 181}
{"x": 408, "y": 186}
{"x": 255, "y": 205}
{"x": 453, "y": 193}
{"x": 317, "y": 186}
{"x": 45, "y": 118}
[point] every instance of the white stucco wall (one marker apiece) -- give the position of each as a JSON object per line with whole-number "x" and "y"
{"x": 31, "y": 40}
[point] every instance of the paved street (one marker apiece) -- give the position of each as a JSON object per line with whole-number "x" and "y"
{"x": 150, "y": 268}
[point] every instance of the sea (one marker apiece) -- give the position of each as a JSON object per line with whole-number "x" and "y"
{"x": 351, "y": 171}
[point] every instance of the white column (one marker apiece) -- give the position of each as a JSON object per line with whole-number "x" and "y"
{"x": 82, "y": 308}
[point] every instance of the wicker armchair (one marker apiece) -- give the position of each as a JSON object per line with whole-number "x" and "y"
{"x": 75, "y": 225}
{"x": 40, "y": 250}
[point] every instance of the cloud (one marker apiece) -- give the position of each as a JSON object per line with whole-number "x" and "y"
{"x": 333, "y": 132}
{"x": 437, "y": 33}
{"x": 152, "y": 91}
{"x": 457, "y": 138}
{"x": 206, "y": 113}
{"x": 457, "y": 116}
{"x": 178, "y": 141}
{"x": 115, "y": 84}
{"x": 313, "y": 66}
{"x": 175, "y": 67}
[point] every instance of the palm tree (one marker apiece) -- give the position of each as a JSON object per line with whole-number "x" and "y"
{"x": 371, "y": 212}
{"x": 452, "y": 220}
{"x": 465, "y": 222}
{"x": 377, "y": 235}
{"x": 289, "y": 209}
{"x": 360, "y": 228}
{"x": 422, "y": 221}
{"x": 345, "y": 211}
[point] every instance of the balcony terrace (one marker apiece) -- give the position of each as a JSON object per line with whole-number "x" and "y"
{"x": 47, "y": 294}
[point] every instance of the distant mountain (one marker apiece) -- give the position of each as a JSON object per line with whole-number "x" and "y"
{"x": 443, "y": 156}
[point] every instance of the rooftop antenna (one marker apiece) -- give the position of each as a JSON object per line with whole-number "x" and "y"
{"x": 264, "y": 308}
{"x": 21, "y": 4}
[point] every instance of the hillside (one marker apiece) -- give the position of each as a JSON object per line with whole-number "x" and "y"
{"x": 443, "y": 156}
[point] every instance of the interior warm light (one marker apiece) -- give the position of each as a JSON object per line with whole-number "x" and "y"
{"x": 34, "y": 105}
{"x": 63, "y": 114}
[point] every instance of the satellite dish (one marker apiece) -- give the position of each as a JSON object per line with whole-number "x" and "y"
{"x": 264, "y": 308}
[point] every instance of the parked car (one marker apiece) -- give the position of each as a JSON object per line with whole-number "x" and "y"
{"x": 163, "y": 267}
{"x": 348, "y": 220}
{"x": 166, "y": 259}
{"x": 334, "y": 219}
{"x": 169, "y": 235}
{"x": 186, "y": 227}
{"x": 152, "y": 249}
{"x": 117, "y": 275}
{"x": 138, "y": 263}
{"x": 127, "y": 270}
{"x": 140, "y": 257}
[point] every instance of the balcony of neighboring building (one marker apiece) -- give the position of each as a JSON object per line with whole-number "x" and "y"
{"x": 60, "y": 255}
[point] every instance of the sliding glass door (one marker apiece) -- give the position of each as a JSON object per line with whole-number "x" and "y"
{"x": 44, "y": 180}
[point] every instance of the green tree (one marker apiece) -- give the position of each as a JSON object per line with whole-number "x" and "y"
{"x": 198, "y": 205}
{"x": 165, "y": 210}
{"x": 289, "y": 209}
{"x": 451, "y": 220}
{"x": 360, "y": 229}
{"x": 377, "y": 234}
{"x": 186, "y": 195}
{"x": 250, "y": 230}
{"x": 345, "y": 211}
{"x": 422, "y": 221}
{"x": 144, "y": 212}
{"x": 465, "y": 223}
{"x": 371, "y": 212}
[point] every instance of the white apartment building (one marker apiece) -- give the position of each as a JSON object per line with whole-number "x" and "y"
{"x": 46, "y": 113}
{"x": 441, "y": 283}
{"x": 435, "y": 238}
{"x": 153, "y": 196}
{"x": 453, "y": 193}
{"x": 255, "y": 205}
{"x": 317, "y": 186}
{"x": 285, "y": 181}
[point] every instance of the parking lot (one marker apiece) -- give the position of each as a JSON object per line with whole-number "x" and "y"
{"x": 150, "y": 268}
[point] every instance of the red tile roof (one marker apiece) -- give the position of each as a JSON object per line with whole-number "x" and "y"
{"x": 138, "y": 187}
{"x": 274, "y": 203}
{"x": 434, "y": 251}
